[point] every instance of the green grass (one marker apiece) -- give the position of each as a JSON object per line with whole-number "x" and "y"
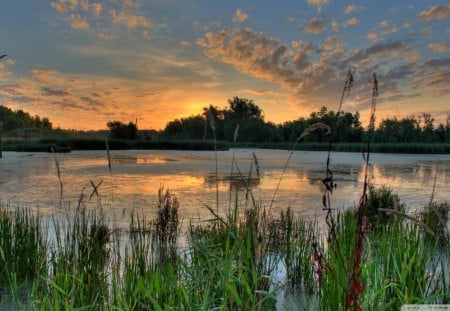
{"x": 226, "y": 263}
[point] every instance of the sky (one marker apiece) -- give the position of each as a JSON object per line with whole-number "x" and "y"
{"x": 82, "y": 63}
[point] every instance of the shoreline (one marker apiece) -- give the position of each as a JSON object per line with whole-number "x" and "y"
{"x": 67, "y": 145}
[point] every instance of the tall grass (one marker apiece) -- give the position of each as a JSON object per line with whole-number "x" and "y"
{"x": 230, "y": 262}
{"x": 23, "y": 250}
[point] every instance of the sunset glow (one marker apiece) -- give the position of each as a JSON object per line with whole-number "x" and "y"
{"x": 82, "y": 63}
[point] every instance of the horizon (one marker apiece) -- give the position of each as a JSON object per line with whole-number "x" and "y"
{"x": 82, "y": 63}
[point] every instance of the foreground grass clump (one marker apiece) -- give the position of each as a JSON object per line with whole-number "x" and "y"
{"x": 405, "y": 262}
{"x": 230, "y": 262}
{"x": 22, "y": 246}
{"x": 79, "y": 260}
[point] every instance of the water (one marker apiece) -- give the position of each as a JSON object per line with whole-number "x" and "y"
{"x": 30, "y": 180}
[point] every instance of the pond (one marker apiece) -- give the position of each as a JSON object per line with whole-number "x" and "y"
{"x": 31, "y": 180}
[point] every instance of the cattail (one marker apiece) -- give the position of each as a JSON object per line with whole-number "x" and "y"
{"x": 349, "y": 81}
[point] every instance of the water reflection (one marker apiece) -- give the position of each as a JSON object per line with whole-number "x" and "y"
{"x": 235, "y": 181}
{"x": 30, "y": 179}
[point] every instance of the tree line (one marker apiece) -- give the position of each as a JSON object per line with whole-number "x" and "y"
{"x": 253, "y": 127}
{"x": 347, "y": 126}
{"x": 16, "y": 120}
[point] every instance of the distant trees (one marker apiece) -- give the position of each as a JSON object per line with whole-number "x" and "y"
{"x": 412, "y": 130}
{"x": 242, "y": 111}
{"x": 348, "y": 127}
{"x": 22, "y": 120}
{"x": 119, "y": 130}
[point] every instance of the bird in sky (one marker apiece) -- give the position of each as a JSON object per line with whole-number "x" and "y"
{"x": 3, "y": 56}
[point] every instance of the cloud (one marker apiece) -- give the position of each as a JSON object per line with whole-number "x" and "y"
{"x": 255, "y": 53}
{"x": 146, "y": 34}
{"x": 318, "y": 2}
{"x": 334, "y": 26}
{"x": 387, "y": 48}
{"x": 351, "y": 22}
{"x": 439, "y": 47}
{"x": 51, "y": 92}
{"x": 258, "y": 92}
{"x": 67, "y": 104}
{"x": 78, "y": 22}
{"x": 350, "y": 9}
{"x": 106, "y": 36}
{"x": 185, "y": 43}
{"x": 97, "y": 9}
{"x": 312, "y": 74}
{"x": 91, "y": 101}
{"x": 125, "y": 17}
{"x": 63, "y": 6}
{"x": 84, "y": 5}
{"x": 384, "y": 23}
{"x": 134, "y": 21}
{"x": 60, "y": 6}
{"x": 373, "y": 36}
{"x": 314, "y": 26}
{"x": 240, "y": 16}
{"x": 437, "y": 63}
{"x": 11, "y": 89}
{"x": 436, "y": 12}
{"x": 390, "y": 30}
{"x": 42, "y": 75}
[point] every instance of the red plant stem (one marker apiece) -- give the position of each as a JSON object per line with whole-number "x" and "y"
{"x": 356, "y": 284}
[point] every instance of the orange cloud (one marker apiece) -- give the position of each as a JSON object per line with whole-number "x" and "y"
{"x": 350, "y": 9}
{"x": 134, "y": 21}
{"x": 60, "y": 6}
{"x": 351, "y": 22}
{"x": 439, "y": 47}
{"x": 318, "y": 2}
{"x": 314, "y": 26}
{"x": 436, "y": 12}
{"x": 373, "y": 36}
{"x": 97, "y": 9}
{"x": 240, "y": 16}
{"x": 78, "y": 22}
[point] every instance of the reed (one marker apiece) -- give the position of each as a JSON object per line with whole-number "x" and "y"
{"x": 228, "y": 262}
{"x": 23, "y": 248}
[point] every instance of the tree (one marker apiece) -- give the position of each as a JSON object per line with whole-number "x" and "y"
{"x": 121, "y": 130}
{"x": 242, "y": 109}
{"x": 248, "y": 115}
{"x": 186, "y": 128}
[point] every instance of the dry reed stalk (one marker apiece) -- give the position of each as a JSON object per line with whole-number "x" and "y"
{"x": 255, "y": 159}
{"x": 108, "y": 156}
{"x": 400, "y": 214}
{"x": 329, "y": 181}
{"x": 58, "y": 171}
{"x": 213, "y": 127}
{"x": 235, "y": 136}
{"x": 305, "y": 133}
{"x": 95, "y": 189}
